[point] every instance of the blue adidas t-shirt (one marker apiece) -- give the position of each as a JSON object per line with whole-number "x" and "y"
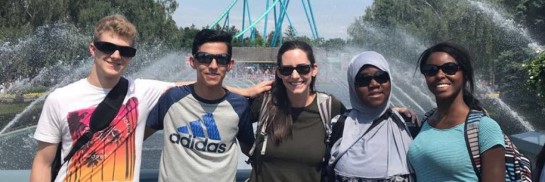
{"x": 442, "y": 154}
{"x": 200, "y": 135}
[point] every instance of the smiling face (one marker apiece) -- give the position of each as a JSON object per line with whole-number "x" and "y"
{"x": 297, "y": 83}
{"x": 110, "y": 65}
{"x": 374, "y": 94}
{"x": 442, "y": 85}
{"x": 212, "y": 74}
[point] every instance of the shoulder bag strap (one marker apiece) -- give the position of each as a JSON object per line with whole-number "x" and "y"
{"x": 103, "y": 115}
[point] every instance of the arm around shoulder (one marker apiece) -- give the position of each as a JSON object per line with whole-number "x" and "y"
{"x": 41, "y": 165}
{"x": 252, "y": 91}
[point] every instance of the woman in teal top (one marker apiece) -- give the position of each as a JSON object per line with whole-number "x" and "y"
{"x": 439, "y": 152}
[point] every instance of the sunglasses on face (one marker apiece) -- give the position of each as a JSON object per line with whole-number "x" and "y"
{"x": 288, "y": 70}
{"x": 365, "y": 80}
{"x": 206, "y": 58}
{"x": 447, "y": 68}
{"x": 110, "y": 48}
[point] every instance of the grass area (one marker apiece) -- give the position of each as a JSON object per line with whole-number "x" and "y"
{"x": 26, "y": 95}
{"x": 11, "y": 109}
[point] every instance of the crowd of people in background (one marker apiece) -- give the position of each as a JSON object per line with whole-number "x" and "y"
{"x": 256, "y": 72}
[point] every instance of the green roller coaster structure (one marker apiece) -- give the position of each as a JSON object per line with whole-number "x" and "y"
{"x": 279, "y": 10}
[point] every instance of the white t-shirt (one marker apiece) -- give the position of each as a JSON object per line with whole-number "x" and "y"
{"x": 114, "y": 154}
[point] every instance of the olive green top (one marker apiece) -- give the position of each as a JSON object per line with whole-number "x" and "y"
{"x": 299, "y": 157}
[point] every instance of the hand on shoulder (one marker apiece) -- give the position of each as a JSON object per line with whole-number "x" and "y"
{"x": 408, "y": 113}
{"x": 254, "y": 91}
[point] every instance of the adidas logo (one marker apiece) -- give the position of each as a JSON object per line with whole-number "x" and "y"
{"x": 193, "y": 136}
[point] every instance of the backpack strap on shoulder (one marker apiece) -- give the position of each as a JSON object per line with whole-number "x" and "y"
{"x": 397, "y": 118}
{"x": 337, "y": 128}
{"x": 471, "y": 135}
{"x": 262, "y": 125}
{"x": 517, "y": 166}
{"x": 427, "y": 115}
{"x": 404, "y": 122}
{"x": 324, "y": 107}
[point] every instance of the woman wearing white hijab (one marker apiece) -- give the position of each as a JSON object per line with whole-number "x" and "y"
{"x": 373, "y": 145}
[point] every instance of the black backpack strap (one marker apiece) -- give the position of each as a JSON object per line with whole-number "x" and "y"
{"x": 427, "y": 115}
{"x": 405, "y": 122}
{"x": 101, "y": 118}
{"x": 337, "y": 129}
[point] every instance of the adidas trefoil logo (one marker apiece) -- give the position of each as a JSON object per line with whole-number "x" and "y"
{"x": 193, "y": 136}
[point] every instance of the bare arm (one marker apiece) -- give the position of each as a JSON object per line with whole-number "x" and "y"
{"x": 182, "y": 83}
{"x": 252, "y": 91}
{"x": 148, "y": 132}
{"x": 41, "y": 166}
{"x": 493, "y": 164}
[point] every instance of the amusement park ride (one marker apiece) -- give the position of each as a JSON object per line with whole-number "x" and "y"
{"x": 278, "y": 9}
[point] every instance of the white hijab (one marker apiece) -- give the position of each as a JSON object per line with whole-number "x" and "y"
{"x": 381, "y": 153}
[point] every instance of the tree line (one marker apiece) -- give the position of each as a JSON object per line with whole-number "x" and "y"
{"x": 41, "y": 20}
{"x": 503, "y": 55}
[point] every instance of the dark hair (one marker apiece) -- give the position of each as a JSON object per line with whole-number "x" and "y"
{"x": 279, "y": 115}
{"x": 540, "y": 160}
{"x": 209, "y": 35}
{"x": 461, "y": 55}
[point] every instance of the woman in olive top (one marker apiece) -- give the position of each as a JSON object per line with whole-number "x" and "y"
{"x": 292, "y": 144}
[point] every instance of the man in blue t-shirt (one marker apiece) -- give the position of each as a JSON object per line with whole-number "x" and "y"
{"x": 201, "y": 120}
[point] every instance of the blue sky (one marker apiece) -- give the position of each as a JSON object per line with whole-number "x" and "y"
{"x": 332, "y": 16}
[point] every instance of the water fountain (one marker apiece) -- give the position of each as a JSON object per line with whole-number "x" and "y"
{"x": 508, "y": 24}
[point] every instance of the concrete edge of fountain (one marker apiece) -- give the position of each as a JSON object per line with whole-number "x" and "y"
{"x": 529, "y": 143}
{"x": 145, "y": 175}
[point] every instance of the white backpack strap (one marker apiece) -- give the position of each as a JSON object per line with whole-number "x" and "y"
{"x": 262, "y": 125}
{"x": 324, "y": 106}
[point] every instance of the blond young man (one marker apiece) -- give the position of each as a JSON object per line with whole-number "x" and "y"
{"x": 113, "y": 154}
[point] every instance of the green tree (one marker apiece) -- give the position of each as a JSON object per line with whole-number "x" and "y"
{"x": 290, "y": 33}
{"x": 536, "y": 74}
{"x": 334, "y": 44}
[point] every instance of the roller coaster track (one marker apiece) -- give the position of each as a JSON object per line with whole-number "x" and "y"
{"x": 278, "y": 8}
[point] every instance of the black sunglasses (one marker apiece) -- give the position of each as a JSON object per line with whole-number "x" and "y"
{"x": 447, "y": 68}
{"x": 365, "y": 80}
{"x": 110, "y": 48}
{"x": 206, "y": 58}
{"x": 287, "y": 70}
